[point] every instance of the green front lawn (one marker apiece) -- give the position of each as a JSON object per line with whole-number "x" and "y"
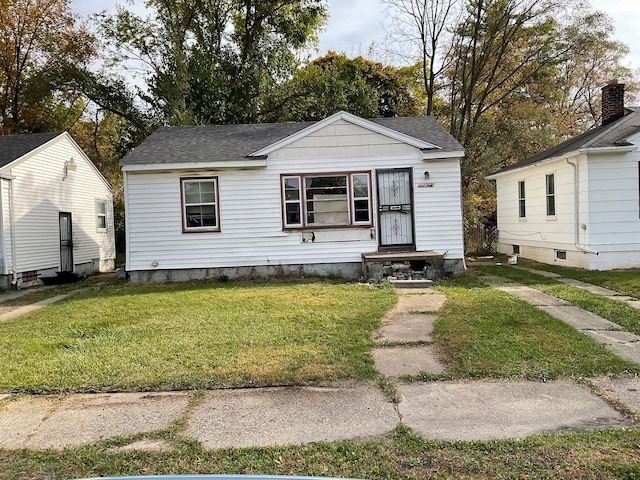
{"x": 483, "y": 332}
{"x": 609, "y": 455}
{"x": 166, "y": 337}
{"x": 613, "y": 310}
{"x": 626, "y": 282}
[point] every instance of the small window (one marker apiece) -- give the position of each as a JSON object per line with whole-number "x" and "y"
{"x": 361, "y": 203}
{"x": 101, "y": 214}
{"x": 522, "y": 211}
{"x": 561, "y": 254}
{"x": 551, "y": 195}
{"x": 200, "y": 204}
{"x": 516, "y": 249}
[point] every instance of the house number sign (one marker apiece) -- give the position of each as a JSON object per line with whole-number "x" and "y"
{"x": 425, "y": 185}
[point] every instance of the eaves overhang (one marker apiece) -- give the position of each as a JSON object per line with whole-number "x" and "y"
{"x": 439, "y": 154}
{"x": 538, "y": 164}
{"x": 246, "y": 163}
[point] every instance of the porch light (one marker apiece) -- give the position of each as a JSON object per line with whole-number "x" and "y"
{"x": 69, "y": 166}
{"x": 426, "y": 175}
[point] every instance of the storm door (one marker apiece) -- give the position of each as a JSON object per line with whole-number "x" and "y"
{"x": 395, "y": 208}
{"x": 66, "y": 243}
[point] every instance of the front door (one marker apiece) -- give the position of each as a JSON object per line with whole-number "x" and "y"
{"x": 66, "y": 243}
{"x": 395, "y": 208}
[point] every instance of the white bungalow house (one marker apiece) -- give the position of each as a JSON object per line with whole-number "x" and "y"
{"x": 343, "y": 196}
{"x": 56, "y": 210}
{"x": 578, "y": 203}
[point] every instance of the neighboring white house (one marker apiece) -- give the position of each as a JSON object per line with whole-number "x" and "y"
{"x": 56, "y": 210}
{"x": 578, "y": 204}
{"x": 312, "y": 197}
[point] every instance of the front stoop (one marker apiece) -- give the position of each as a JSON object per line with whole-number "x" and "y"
{"x": 403, "y": 266}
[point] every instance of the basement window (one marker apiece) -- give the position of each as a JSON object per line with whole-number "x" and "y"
{"x": 516, "y": 249}
{"x": 561, "y": 255}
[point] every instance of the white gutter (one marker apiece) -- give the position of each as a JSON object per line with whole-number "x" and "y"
{"x": 436, "y": 155}
{"x": 597, "y": 150}
{"x": 576, "y": 208}
{"x": 230, "y": 164}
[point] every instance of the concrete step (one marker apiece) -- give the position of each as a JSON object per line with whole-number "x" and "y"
{"x": 411, "y": 283}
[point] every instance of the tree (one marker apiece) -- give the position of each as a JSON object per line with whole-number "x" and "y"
{"x": 335, "y": 82}
{"x": 38, "y": 38}
{"x": 519, "y": 76}
{"x": 211, "y": 61}
{"x": 426, "y": 24}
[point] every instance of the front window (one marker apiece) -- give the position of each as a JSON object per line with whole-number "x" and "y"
{"x": 551, "y": 195}
{"x": 522, "y": 210}
{"x": 316, "y": 200}
{"x": 200, "y": 204}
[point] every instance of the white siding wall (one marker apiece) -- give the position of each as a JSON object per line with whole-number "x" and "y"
{"x": 614, "y": 194}
{"x": 251, "y": 214}
{"x": 539, "y": 235}
{"x": 608, "y": 219}
{"x": 40, "y": 194}
{"x": 537, "y": 229}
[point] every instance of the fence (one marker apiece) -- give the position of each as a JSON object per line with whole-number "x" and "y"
{"x": 480, "y": 240}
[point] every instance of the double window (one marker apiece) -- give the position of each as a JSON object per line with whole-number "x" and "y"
{"x": 327, "y": 200}
{"x": 551, "y": 195}
{"x": 522, "y": 210}
{"x": 200, "y": 211}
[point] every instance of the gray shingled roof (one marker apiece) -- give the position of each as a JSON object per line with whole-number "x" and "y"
{"x": 12, "y": 147}
{"x": 235, "y": 142}
{"x": 614, "y": 134}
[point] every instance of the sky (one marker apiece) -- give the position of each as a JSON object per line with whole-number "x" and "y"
{"x": 354, "y": 25}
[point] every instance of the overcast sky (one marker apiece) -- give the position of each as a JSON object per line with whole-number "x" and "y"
{"x": 356, "y": 24}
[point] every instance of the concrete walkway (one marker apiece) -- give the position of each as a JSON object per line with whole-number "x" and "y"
{"x": 623, "y": 343}
{"x": 605, "y": 292}
{"x": 465, "y": 410}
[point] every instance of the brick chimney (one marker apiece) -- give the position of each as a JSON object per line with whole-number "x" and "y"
{"x": 612, "y": 101}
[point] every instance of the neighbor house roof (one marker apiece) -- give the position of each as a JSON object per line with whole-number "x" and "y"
{"x": 236, "y": 142}
{"x": 611, "y": 135}
{"x": 12, "y": 147}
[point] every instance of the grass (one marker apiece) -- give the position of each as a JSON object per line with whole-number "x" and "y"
{"x": 483, "y": 332}
{"x": 613, "y": 310}
{"x": 600, "y": 455}
{"x": 122, "y": 337}
{"x": 626, "y": 282}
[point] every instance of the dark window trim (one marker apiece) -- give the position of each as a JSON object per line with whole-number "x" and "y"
{"x": 302, "y": 201}
{"x": 186, "y": 229}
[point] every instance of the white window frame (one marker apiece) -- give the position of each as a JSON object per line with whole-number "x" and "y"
{"x": 550, "y": 196}
{"x": 101, "y": 215}
{"x": 355, "y": 199}
{"x": 302, "y": 200}
{"x": 216, "y": 204}
{"x": 522, "y": 200}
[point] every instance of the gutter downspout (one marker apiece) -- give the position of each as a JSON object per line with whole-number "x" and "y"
{"x": 576, "y": 209}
